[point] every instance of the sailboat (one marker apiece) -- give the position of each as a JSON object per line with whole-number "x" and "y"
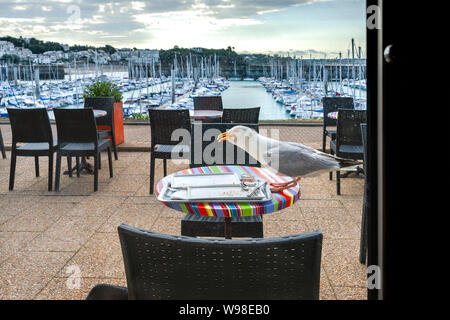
{"x": 235, "y": 77}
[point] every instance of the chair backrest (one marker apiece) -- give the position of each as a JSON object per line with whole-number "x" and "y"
{"x": 162, "y": 266}
{"x": 208, "y": 103}
{"x": 206, "y": 150}
{"x": 102, "y": 103}
{"x": 242, "y": 115}
{"x": 364, "y": 141}
{"x": 348, "y": 129}
{"x": 75, "y": 125}
{"x": 332, "y": 104}
{"x": 164, "y": 122}
{"x": 30, "y": 125}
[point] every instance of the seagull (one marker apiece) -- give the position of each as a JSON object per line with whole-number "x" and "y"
{"x": 287, "y": 158}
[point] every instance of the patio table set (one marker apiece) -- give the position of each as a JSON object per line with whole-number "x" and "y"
{"x": 189, "y": 266}
{"x": 202, "y": 268}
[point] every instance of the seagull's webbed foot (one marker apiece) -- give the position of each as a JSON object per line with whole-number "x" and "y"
{"x": 281, "y": 186}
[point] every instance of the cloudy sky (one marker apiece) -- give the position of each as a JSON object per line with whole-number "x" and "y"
{"x": 265, "y": 26}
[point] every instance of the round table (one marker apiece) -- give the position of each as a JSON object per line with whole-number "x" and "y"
{"x": 236, "y": 209}
{"x": 333, "y": 115}
{"x": 205, "y": 114}
{"x": 99, "y": 113}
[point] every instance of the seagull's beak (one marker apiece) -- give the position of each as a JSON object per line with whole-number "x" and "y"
{"x": 223, "y": 137}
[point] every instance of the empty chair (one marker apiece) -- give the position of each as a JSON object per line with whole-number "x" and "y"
{"x": 163, "y": 124}
{"x": 106, "y": 122}
{"x": 77, "y": 135}
{"x": 163, "y": 267}
{"x": 204, "y": 136}
{"x": 208, "y": 103}
{"x": 365, "y": 208}
{"x": 242, "y": 115}
{"x": 348, "y": 143}
{"x": 32, "y": 127}
{"x": 2, "y": 145}
{"x": 333, "y": 104}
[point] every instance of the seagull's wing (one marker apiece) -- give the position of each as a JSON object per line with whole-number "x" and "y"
{"x": 294, "y": 159}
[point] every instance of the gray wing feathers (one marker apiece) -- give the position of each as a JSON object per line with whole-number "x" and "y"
{"x": 295, "y": 159}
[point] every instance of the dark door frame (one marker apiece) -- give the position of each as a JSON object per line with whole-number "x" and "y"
{"x": 375, "y": 165}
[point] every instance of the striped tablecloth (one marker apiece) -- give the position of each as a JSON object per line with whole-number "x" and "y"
{"x": 237, "y": 209}
{"x": 100, "y": 113}
{"x": 333, "y": 115}
{"x": 205, "y": 114}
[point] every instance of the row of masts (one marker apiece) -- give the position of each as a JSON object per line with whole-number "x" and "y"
{"x": 325, "y": 71}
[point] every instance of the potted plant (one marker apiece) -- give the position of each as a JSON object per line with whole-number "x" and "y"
{"x": 105, "y": 95}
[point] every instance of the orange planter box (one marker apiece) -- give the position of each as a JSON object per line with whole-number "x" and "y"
{"x": 118, "y": 123}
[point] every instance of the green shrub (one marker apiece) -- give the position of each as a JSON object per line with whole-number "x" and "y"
{"x": 103, "y": 89}
{"x": 138, "y": 116}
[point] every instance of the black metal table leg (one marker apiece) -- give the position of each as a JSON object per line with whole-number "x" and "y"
{"x": 227, "y": 227}
{"x": 84, "y": 165}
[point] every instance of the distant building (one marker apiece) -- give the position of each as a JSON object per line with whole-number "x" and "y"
{"x": 198, "y": 50}
{"x": 137, "y": 56}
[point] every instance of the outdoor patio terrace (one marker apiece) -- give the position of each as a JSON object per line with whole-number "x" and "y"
{"x": 43, "y": 234}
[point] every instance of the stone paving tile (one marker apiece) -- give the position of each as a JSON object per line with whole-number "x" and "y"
{"x": 340, "y": 261}
{"x": 96, "y": 205}
{"x": 351, "y": 293}
{"x": 291, "y": 213}
{"x": 11, "y": 242}
{"x": 4, "y": 218}
{"x": 14, "y": 205}
{"x": 137, "y": 215}
{"x": 79, "y": 188}
{"x": 315, "y": 203}
{"x": 334, "y": 223}
{"x": 61, "y": 199}
{"x": 353, "y": 208}
{"x": 68, "y": 288}
{"x": 273, "y": 229}
{"x": 146, "y": 199}
{"x": 67, "y": 234}
{"x": 125, "y": 184}
{"x": 25, "y": 274}
{"x": 30, "y": 222}
{"x": 326, "y": 290}
{"x": 100, "y": 257}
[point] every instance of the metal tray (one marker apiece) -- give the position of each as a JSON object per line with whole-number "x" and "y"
{"x": 212, "y": 188}
{"x": 203, "y": 179}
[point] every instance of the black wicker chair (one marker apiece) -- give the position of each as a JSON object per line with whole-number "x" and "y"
{"x": 32, "y": 127}
{"x": 348, "y": 143}
{"x": 365, "y": 208}
{"x": 243, "y": 115}
{"x": 203, "y": 136}
{"x": 208, "y": 103}
{"x": 333, "y": 104}
{"x": 166, "y": 267}
{"x": 163, "y": 123}
{"x": 2, "y": 145}
{"x": 106, "y": 104}
{"x": 77, "y": 135}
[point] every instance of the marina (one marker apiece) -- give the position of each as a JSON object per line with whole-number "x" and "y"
{"x": 285, "y": 88}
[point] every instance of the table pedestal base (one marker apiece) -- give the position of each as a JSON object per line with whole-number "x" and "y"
{"x": 227, "y": 227}
{"x": 203, "y": 226}
{"x": 84, "y": 165}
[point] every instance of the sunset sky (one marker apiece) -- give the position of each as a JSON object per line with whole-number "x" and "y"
{"x": 262, "y": 26}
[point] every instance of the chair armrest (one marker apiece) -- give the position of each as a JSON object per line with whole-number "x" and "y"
{"x": 108, "y": 292}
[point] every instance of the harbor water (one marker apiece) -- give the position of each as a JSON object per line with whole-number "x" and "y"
{"x": 247, "y": 94}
